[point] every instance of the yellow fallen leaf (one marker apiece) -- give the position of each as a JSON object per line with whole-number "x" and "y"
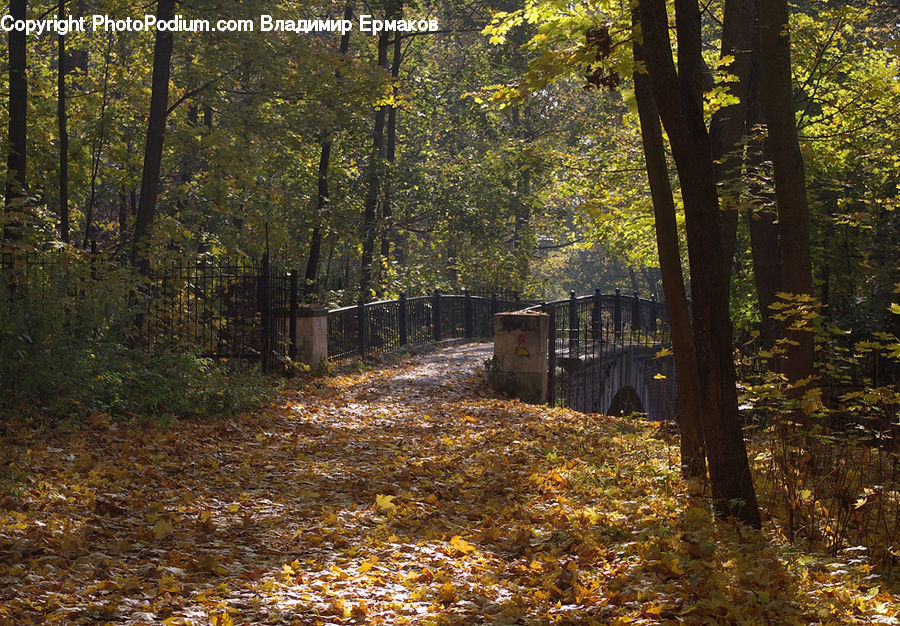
{"x": 221, "y": 619}
{"x": 447, "y": 594}
{"x": 384, "y": 503}
{"x": 162, "y": 529}
{"x": 461, "y": 545}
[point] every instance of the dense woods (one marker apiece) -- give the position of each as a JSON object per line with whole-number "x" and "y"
{"x": 738, "y": 160}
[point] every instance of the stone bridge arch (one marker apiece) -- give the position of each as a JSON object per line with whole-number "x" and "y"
{"x": 625, "y": 379}
{"x": 650, "y": 379}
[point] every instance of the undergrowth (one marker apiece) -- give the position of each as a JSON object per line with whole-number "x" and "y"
{"x": 828, "y": 459}
{"x": 66, "y": 354}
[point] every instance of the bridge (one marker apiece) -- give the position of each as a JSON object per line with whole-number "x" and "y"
{"x": 608, "y": 354}
{"x": 604, "y": 352}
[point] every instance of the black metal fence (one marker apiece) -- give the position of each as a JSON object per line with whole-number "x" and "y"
{"x": 371, "y": 328}
{"x": 248, "y": 309}
{"x": 221, "y": 310}
{"x": 587, "y": 336}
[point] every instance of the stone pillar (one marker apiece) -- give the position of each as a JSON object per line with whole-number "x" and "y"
{"x": 312, "y": 337}
{"x": 520, "y": 355}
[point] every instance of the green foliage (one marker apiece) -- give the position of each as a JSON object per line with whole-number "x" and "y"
{"x": 830, "y": 446}
{"x": 64, "y": 354}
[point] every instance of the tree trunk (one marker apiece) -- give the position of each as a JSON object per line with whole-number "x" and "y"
{"x": 763, "y": 225}
{"x": 16, "y": 162}
{"x": 375, "y": 176}
{"x": 156, "y": 129}
{"x": 679, "y": 97}
{"x": 790, "y": 177}
{"x": 387, "y": 210}
{"x": 727, "y": 124}
{"x": 311, "y": 278}
{"x": 693, "y": 455}
{"x": 63, "y": 133}
{"x": 310, "y": 283}
{"x": 97, "y": 150}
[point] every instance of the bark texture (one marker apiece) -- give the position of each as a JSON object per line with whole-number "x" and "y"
{"x": 679, "y": 96}
{"x": 693, "y": 455}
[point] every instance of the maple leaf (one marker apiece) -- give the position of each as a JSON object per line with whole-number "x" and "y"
{"x": 221, "y": 619}
{"x": 461, "y": 545}
{"x": 384, "y": 503}
{"x": 447, "y": 594}
{"x": 162, "y": 529}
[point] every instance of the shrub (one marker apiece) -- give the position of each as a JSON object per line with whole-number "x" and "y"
{"x": 65, "y": 335}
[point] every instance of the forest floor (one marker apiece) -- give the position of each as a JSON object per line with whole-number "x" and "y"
{"x": 404, "y": 494}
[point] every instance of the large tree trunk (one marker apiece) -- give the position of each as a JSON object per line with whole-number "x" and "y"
{"x": 727, "y": 124}
{"x": 156, "y": 129}
{"x": 693, "y": 456}
{"x": 311, "y": 278}
{"x": 790, "y": 177}
{"x": 63, "y": 133}
{"x": 16, "y": 162}
{"x": 679, "y": 97}
{"x": 375, "y": 177}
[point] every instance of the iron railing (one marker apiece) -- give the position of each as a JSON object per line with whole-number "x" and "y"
{"x": 589, "y": 332}
{"x": 368, "y": 329}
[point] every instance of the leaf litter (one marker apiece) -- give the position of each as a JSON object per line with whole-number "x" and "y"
{"x": 404, "y": 494}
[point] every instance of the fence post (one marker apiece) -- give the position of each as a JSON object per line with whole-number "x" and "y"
{"x": 653, "y": 312}
{"x": 617, "y": 312}
{"x": 292, "y": 329}
{"x": 551, "y": 353}
{"x": 469, "y": 316}
{"x": 495, "y": 308}
{"x": 636, "y": 313}
{"x": 404, "y": 320}
{"x": 436, "y": 314}
{"x": 596, "y": 314}
{"x": 573, "y": 324}
{"x": 265, "y": 311}
{"x": 361, "y": 327}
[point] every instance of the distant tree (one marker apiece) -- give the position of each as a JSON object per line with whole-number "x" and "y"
{"x": 16, "y": 161}
{"x": 156, "y": 129}
{"x": 310, "y": 286}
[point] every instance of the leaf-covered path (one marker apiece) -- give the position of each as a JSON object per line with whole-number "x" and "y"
{"x": 408, "y": 494}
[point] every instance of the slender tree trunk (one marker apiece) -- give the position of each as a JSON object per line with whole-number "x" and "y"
{"x": 97, "y": 150}
{"x": 679, "y": 97}
{"x": 727, "y": 124}
{"x": 310, "y": 283}
{"x": 387, "y": 210}
{"x": 16, "y": 161}
{"x": 790, "y": 176}
{"x": 375, "y": 177}
{"x": 156, "y": 130}
{"x": 693, "y": 455}
{"x": 763, "y": 225}
{"x": 63, "y": 133}
{"x": 311, "y": 278}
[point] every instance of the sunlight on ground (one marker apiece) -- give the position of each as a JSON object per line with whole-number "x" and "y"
{"x": 384, "y": 498}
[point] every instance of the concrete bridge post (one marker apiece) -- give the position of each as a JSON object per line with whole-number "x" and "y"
{"x": 311, "y": 332}
{"x": 520, "y": 354}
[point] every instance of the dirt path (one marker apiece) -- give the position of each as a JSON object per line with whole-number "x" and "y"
{"x": 408, "y": 494}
